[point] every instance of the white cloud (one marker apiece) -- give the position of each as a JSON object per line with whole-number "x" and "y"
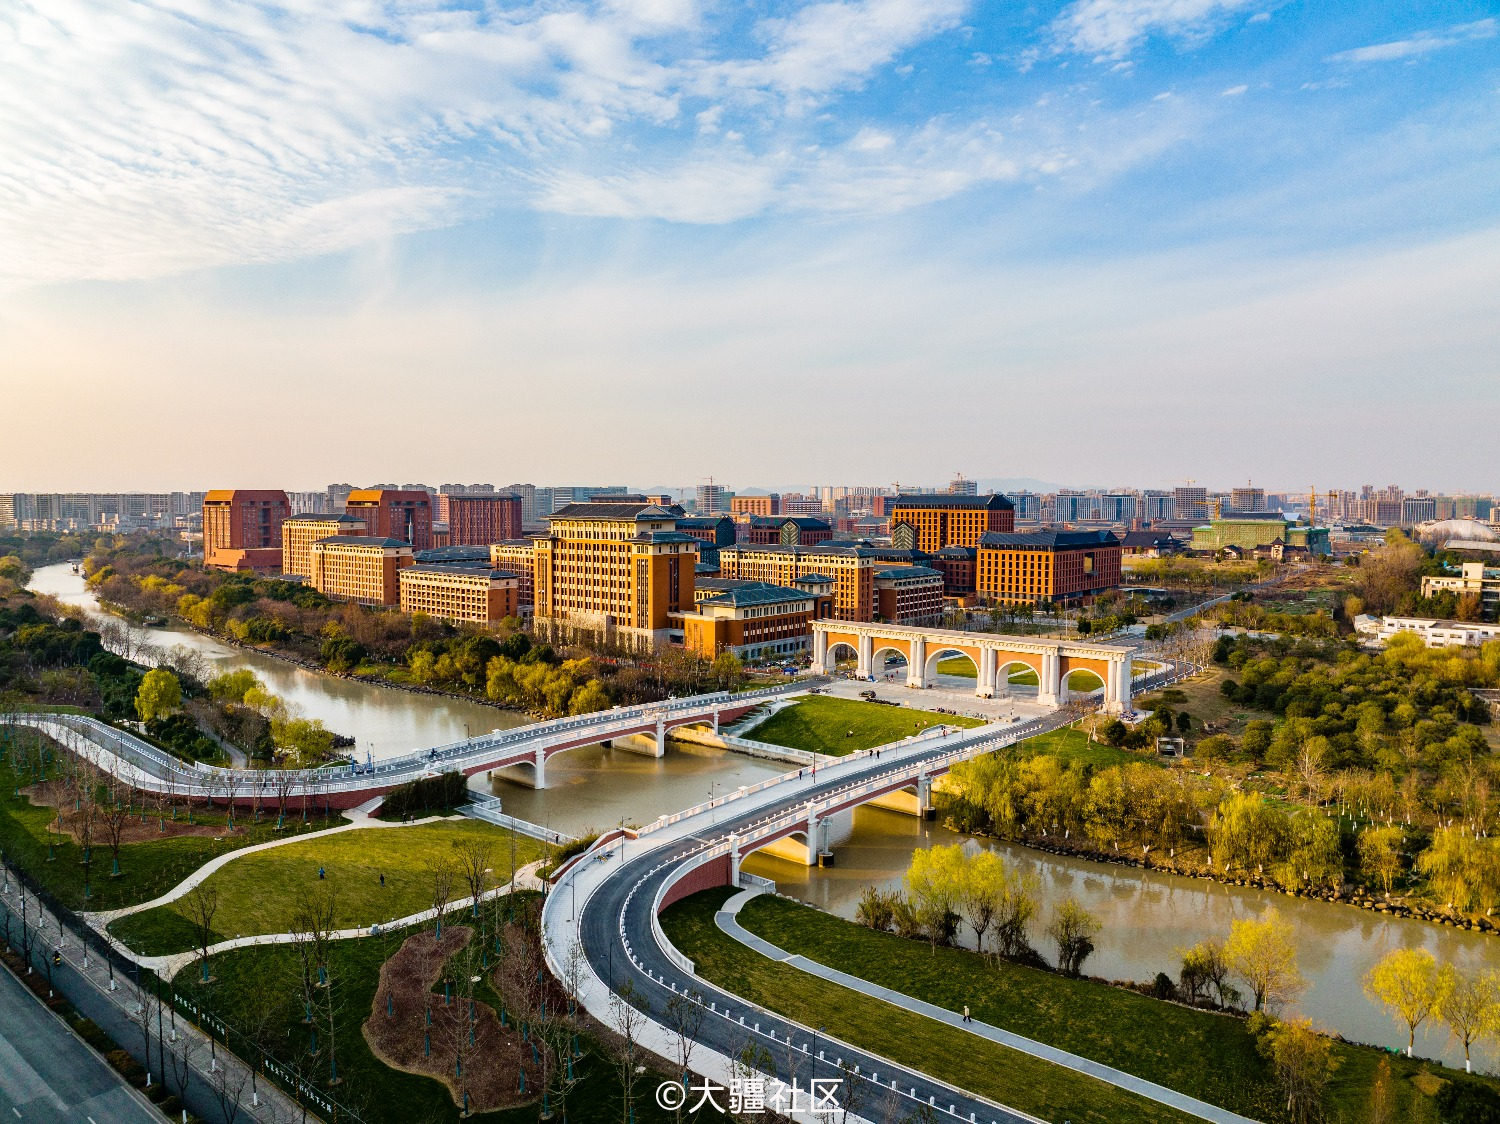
{"x": 1111, "y": 29}
{"x": 1233, "y": 91}
{"x": 1422, "y": 43}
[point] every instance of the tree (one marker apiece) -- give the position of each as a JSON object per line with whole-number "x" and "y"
{"x": 980, "y": 893}
{"x": 200, "y": 904}
{"x": 1303, "y": 1061}
{"x": 1380, "y": 855}
{"x": 1203, "y": 966}
{"x": 1263, "y": 953}
{"x": 1406, "y": 980}
{"x": 933, "y": 880}
{"x": 727, "y": 671}
{"x": 474, "y": 868}
{"x": 441, "y": 873}
{"x": 1469, "y": 1006}
{"x": 628, "y": 1021}
{"x": 158, "y": 695}
{"x": 684, "y": 1018}
{"x": 1074, "y": 929}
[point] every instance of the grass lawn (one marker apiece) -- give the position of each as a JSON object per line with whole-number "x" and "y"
{"x": 148, "y": 868}
{"x": 258, "y": 893}
{"x": 1201, "y": 698}
{"x": 838, "y": 726}
{"x": 945, "y": 1052}
{"x": 258, "y": 987}
{"x": 1072, "y": 744}
{"x": 964, "y": 667}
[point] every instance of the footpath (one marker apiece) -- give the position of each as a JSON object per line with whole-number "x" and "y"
{"x": 727, "y": 920}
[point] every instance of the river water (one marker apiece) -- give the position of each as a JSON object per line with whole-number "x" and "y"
{"x": 1147, "y": 916}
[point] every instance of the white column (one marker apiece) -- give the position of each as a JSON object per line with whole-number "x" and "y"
{"x": 539, "y": 773}
{"x": 916, "y": 663}
{"x": 985, "y": 688}
{"x": 1117, "y": 686}
{"x": 734, "y": 860}
{"x": 820, "y": 650}
{"x": 866, "y": 650}
{"x": 716, "y": 720}
{"x": 812, "y": 839}
{"x": 661, "y": 737}
{"x": 1049, "y": 680}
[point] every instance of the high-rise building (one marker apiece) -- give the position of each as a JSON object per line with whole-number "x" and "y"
{"x": 1247, "y": 498}
{"x": 7, "y": 512}
{"x": 396, "y": 513}
{"x": 962, "y": 486}
{"x": 242, "y": 528}
{"x": 951, "y": 520}
{"x": 478, "y": 519}
{"x": 614, "y": 568}
{"x": 1189, "y": 503}
{"x": 711, "y": 499}
{"x": 1117, "y": 507}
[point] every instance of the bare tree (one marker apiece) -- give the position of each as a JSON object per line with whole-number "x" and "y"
{"x": 283, "y": 784}
{"x": 114, "y": 814}
{"x": 474, "y": 867}
{"x": 314, "y": 921}
{"x": 180, "y": 1065}
{"x": 228, "y": 1083}
{"x": 441, "y": 872}
{"x": 684, "y": 1017}
{"x": 201, "y": 903}
{"x": 628, "y": 1020}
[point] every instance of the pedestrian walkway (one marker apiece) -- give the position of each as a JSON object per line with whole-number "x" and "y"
{"x": 728, "y": 921}
{"x": 169, "y": 965}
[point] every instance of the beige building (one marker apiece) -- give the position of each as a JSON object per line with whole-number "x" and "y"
{"x": 299, "y": 533}
{"x": 362, "y": 568}
{"x": 460, "y": 591}
{"x": 614, "y": 568}
{"x": 1474, "y": 579}
{"x": 519, "y": 557}
{"x": 852, "y": 569}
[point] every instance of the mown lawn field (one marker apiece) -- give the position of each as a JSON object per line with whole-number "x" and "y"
{"x": 824, "y": 724}
{"x": 947, "y": 1053}
{"x": 260, "y": 892}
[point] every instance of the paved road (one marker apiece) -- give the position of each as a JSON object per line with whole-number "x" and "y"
{"x": 47, "y": 1074}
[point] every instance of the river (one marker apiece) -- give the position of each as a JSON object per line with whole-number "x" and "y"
{"x": 1147, "y": 916}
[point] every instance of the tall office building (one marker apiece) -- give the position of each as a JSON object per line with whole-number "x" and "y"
{"x": 711, "y": 499}
{"x": 242, "y": 528}
{"x": 478, "y": 519}
{"x": 962, "y": 486}
{"x": 1190, "y": 503}
{"x": 614, "y": 568}
{"x": 1247, "y": 499}
{"x": 951, "y": 520}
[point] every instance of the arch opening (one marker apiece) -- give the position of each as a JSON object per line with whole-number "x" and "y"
{"x": 839, "y": 651}
{"x": 1016, "y": 679}
{"x": 888, "y": 663}
{"x": 950, "y": 667}
{"x": 1080, "y": 682}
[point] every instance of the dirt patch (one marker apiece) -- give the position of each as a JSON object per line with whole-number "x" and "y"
{"x": 50, "y": 794}
{"x": 401, "y": 1035}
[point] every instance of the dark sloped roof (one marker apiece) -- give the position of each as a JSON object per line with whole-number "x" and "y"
{"x": 1047, "y": 540}
{"x": 1148, "y": 538}
{"x": 805, "y": 522}
{"x": 458, "y": 568}
{"x": 454, "y": 554}
{"x": 663, "y": 536}
{"x": 599, "y": 510}
{"x": 363, "y": 540}
{"x": 909, "y": 572}
{"x": 757, "y": 593}
{"x": 818, "y": 578}
{"x": 315, "y": 517}
{"x": 994, "y": 501}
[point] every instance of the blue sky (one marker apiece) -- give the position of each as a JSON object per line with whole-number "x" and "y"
{"x": 1106, "y": 241}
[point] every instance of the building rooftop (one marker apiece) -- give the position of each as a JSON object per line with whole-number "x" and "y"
{"x": 362, "y": 540}
{"x": 612, "y": 512}
{"x": 454, "y": 554}
{"x": 1047, "y": 540}
{"x": 314, "y": 517}
{"x": 815, "y": 579}
{"x": 804, "y": 522}
{"x": 993, "y": 501}
{"x": 822, "y": 550}
{"x": 1148, "y": 538}
{"x": 757, "y": 593}
{"x": 909, "y": 572}
{"x": 459, "y": 568}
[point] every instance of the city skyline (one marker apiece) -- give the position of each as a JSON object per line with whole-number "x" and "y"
{"x": 1201, "y": 236}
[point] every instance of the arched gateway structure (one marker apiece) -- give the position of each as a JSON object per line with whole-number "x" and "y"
{"x": 994, "y": 657}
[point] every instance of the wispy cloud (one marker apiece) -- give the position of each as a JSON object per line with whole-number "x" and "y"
{"x": 1111, "y": 29}
{"x": 1422, "y": 43}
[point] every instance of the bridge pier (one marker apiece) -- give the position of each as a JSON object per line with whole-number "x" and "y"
{"x": 866, "y": 652}
{"x": 985, "y": 687}
{"x": 924, "y": 797}
{"x": 916, "y": 663}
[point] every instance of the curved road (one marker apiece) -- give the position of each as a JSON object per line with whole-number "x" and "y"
{"x": 606, "y": 902}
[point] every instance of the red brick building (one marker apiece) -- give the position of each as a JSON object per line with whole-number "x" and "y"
{"x": 480, "y": 520}
{"x": 909, "y": 595}
{"x": 787, "y": 530}
{"x": 242, "y": 528}
{"x": 395, "y": 514}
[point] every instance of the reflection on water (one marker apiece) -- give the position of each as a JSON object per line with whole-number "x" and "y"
{"x": 1149, "y": 916}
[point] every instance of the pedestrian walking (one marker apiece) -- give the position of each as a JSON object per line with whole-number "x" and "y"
{"x": 966, "y": 1013}
{"x": 382, "y": 880}
{"x": 321, "y": 873}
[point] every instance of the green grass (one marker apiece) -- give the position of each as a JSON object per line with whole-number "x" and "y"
{"x": 148, "y": 868}
{"x": 1072, "y": 744}
{"x": 838, "y": 726}
{"x": 1211, "y": 1057}
{"x": 963, "y": 667}
{"x": 258, "y": 986}
{"x": 945, "y": 1052}
{"x": 259, "y": 893}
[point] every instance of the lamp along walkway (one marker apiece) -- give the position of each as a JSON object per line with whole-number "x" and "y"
{"x": 727, "y": 920}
